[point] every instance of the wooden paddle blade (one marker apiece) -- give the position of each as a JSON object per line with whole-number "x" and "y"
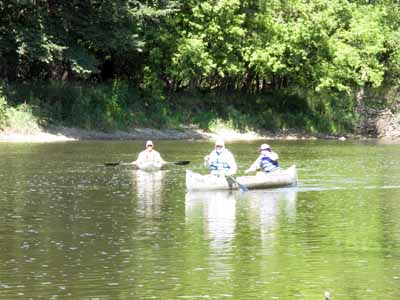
{"x": 182, "y": 163}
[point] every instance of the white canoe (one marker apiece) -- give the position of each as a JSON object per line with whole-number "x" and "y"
{"x": 280, "y": 178}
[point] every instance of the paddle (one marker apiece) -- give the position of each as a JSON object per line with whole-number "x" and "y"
{"x": 113, "y": 164}
{"x": 179, "y": 163}
{"x": 242, "y": 188}
{"x": 120, "y": 163}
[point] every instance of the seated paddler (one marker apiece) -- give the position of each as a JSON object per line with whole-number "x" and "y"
{"x": 149, "y": 155}
{"x": 267, "y": 161}
{"x": 220, "y": 161}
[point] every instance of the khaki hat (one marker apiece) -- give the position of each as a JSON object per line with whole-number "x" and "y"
{"x": 220, "y": 142}
{"x": 265, "y": 147}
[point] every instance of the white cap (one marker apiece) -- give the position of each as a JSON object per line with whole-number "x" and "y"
{"x": 220, "y": 142}
{"x": 149, "y": 143}
{"x": 265, "y": 147}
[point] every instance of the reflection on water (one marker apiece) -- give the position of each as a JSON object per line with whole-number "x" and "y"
{"x": 242, "y": 235}
{"x": 149, "y": 187}
{"x": 266, "y": 206}
{"x": 218, "y": 214}
{"x": 219, "y": 211}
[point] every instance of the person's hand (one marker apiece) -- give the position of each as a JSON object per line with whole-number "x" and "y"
{"x": 207, "y": 157}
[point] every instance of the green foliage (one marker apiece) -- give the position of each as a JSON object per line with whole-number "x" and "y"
{"x": 81, "y": 63}
{"x": 273, "y": 112}
{"x": 106, "y": 107}
{"x": 115, "y": 105}
{"x": 59, "y": 39}
{"x": 204, "y": 119}
{"x": 117, "y": 64}
{"x": 152, "y": 85}
{"x": 357, "y": 51}
{"x": 118, "y": 106}
{"x": 191, "y": 60}
{"x": 211, "y": 44}
{"x": 3, "y": 111}
{"x": 22, "y": 119}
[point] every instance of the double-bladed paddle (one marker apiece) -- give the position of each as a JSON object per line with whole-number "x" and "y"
{"x": 120, "y": 163}
{"x": 179, "y": 163}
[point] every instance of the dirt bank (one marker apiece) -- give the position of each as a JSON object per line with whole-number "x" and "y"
{"x": 61, "y": 134}
{"x": 383, "y": 125}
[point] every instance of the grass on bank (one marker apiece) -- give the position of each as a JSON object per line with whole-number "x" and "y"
{"x": 26, "y": 107}
{"x": 19, "y": 119}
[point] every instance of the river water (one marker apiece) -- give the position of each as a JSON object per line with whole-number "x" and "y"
{"x": 71, "y": 228}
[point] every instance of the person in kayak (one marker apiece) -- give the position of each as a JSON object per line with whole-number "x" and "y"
{"x": 149, "y": 155}
{"x": 220, "y": 161}
{"x": 267, "y": 161}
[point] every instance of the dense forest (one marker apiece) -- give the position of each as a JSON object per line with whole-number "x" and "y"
{"x": 312, "y": 65}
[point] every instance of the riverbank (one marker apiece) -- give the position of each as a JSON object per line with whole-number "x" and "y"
{"x": 62, "y": 134}
{"x": 385, "y": 127}
{"x": 22, "y": 123}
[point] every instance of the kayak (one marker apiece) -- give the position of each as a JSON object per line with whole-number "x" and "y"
{"x": 280, "y": 178}
{"x": 148, "y": 166}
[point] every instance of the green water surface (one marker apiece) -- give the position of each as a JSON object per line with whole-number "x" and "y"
{"x": 71, "y": 229}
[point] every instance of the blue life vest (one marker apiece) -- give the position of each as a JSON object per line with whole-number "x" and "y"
{"x": 268, "y": 165}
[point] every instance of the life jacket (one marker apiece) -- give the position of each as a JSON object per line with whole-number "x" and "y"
{"x": 218, "y": 163}
{"x": 268, "y": 165}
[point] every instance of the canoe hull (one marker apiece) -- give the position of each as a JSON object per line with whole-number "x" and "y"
{"x": 281, "y": 178}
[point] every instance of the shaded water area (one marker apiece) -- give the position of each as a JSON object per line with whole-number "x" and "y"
{"x": 71, "y": 229}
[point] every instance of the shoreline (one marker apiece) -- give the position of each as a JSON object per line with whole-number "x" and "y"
{"x": 66, "y": 134}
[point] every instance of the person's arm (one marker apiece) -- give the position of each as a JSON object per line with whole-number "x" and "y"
{"x": 254, "y": 166}
{"x": 163, "y": 161}
{"x": 207, "y": 160}
{"x": 140, "y": 158}
{"x": 160, "y": 159}
{"x": 274, "y": 156}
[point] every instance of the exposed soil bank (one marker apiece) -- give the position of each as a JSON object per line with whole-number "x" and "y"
{"x": 60, "y": 134}
{"x": 384, "y": 126}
